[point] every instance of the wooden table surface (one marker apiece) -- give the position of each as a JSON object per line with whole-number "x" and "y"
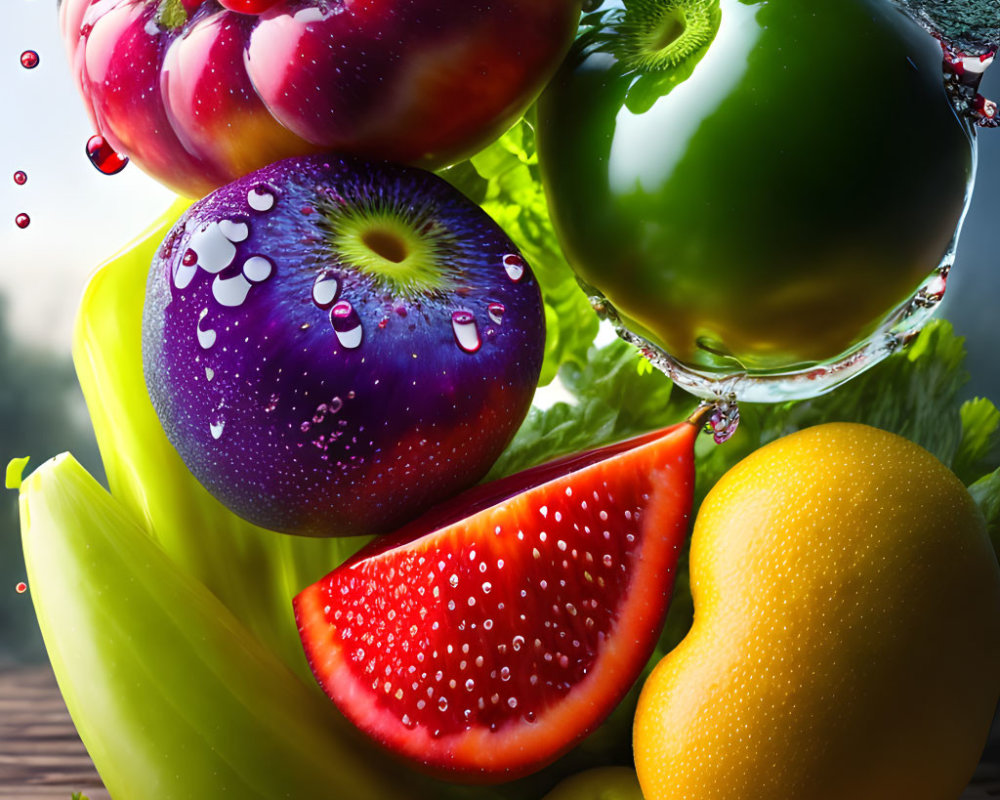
{"x": 42, "y": 758}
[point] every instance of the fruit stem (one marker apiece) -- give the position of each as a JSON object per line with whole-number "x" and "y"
{"x": 701, "y": 415}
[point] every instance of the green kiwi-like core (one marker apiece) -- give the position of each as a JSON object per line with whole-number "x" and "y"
{"x": 402, "y": 251}
{"x": 656, "y": 36}
{"x": 670, "y": 30}
{"x": 386, "y": 244}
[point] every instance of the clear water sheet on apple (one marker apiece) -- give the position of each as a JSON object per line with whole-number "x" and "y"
{"x": 198, "y": 95}
{"x": 333, "y": 345}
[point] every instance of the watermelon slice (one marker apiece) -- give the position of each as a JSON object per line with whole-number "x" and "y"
{"x": 485, "y": 639}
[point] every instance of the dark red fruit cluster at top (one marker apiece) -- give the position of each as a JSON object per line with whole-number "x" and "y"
{"x": 201, "y": 93}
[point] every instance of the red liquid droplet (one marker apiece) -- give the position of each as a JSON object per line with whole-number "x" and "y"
{"x": 20, "y": 177}
{"x": 29, "y": 59}
{"x": 103, "y": 156}
{"x": 21, "y": 587}
{"x": 22, "y": 220}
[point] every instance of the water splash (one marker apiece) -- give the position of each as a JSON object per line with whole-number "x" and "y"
{"x": 963, "y": 73}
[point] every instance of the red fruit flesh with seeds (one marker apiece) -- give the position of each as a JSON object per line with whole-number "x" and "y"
{"x": 484, "y": 640}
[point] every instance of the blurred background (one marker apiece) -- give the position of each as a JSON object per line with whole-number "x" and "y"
{"x": 79, "y": 217}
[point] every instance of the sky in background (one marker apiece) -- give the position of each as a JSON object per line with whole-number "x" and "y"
{"x": 80, "y": 217}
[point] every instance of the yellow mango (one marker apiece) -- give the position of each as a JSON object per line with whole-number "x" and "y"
{"x": 846, "y": 639}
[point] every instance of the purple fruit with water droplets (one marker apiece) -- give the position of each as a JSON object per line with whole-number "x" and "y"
{"x": 334, "y": 345}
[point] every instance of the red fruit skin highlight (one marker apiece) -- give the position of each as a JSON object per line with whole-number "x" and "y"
{"x": 482, "y": 648}
{"x": 202, "y": 95}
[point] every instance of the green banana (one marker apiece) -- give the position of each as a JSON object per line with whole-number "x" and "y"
{"x": 253, "y": 571}
{"x": 173, "y": 697}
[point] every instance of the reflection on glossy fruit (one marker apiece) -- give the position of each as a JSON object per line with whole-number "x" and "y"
{"x": 753, "y": 184}
{"x": 198, "y": 94}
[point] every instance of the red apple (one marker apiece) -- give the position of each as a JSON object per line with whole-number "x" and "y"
{"x": 199, "y": 93}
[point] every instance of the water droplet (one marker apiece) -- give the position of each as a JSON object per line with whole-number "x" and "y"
{"x": 495, "y": 310}
{"x": 272, "y": 403}
{"x": 260, "y": 198}
{"x": 505, "y": 674}
{"x": 257, "y": 269}
{"x": 216, "y": 428}
{"x": 466, "y": 333}
{"x": 487, "y": 587}
{"x": 22, "y": 220}
{"x": 103, "y": 156}
{"x": 29, "y": 59}
{"x": 346, "y": 324}
{"x": 234, "y": 230}
{"x": 517, "y": 642}
{"x": 230, "y": 292}
{"x": 514, "y": 265}
{"x": 442, "y": 704}
{"x": 213, "y": 248}
{"x": 206, "y": 337}
{"x": 335, "y": 405}
{"x": 20, "y": 177}
{"x": 209, "y": 374}
{"x": 724, "y": 421}
{"x": 21, "y": 587}
{"x": 325, "y": 290}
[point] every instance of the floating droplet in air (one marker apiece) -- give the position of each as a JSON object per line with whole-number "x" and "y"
{"x": 22, "y": 220}
{"x": 29, "y": 59}
{"x": 20, "y": 177}
{"x": 21, "y": 587}
{"x": 103, "y": 156}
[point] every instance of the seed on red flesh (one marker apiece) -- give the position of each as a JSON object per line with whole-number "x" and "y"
{"x": 488, "y": 637}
